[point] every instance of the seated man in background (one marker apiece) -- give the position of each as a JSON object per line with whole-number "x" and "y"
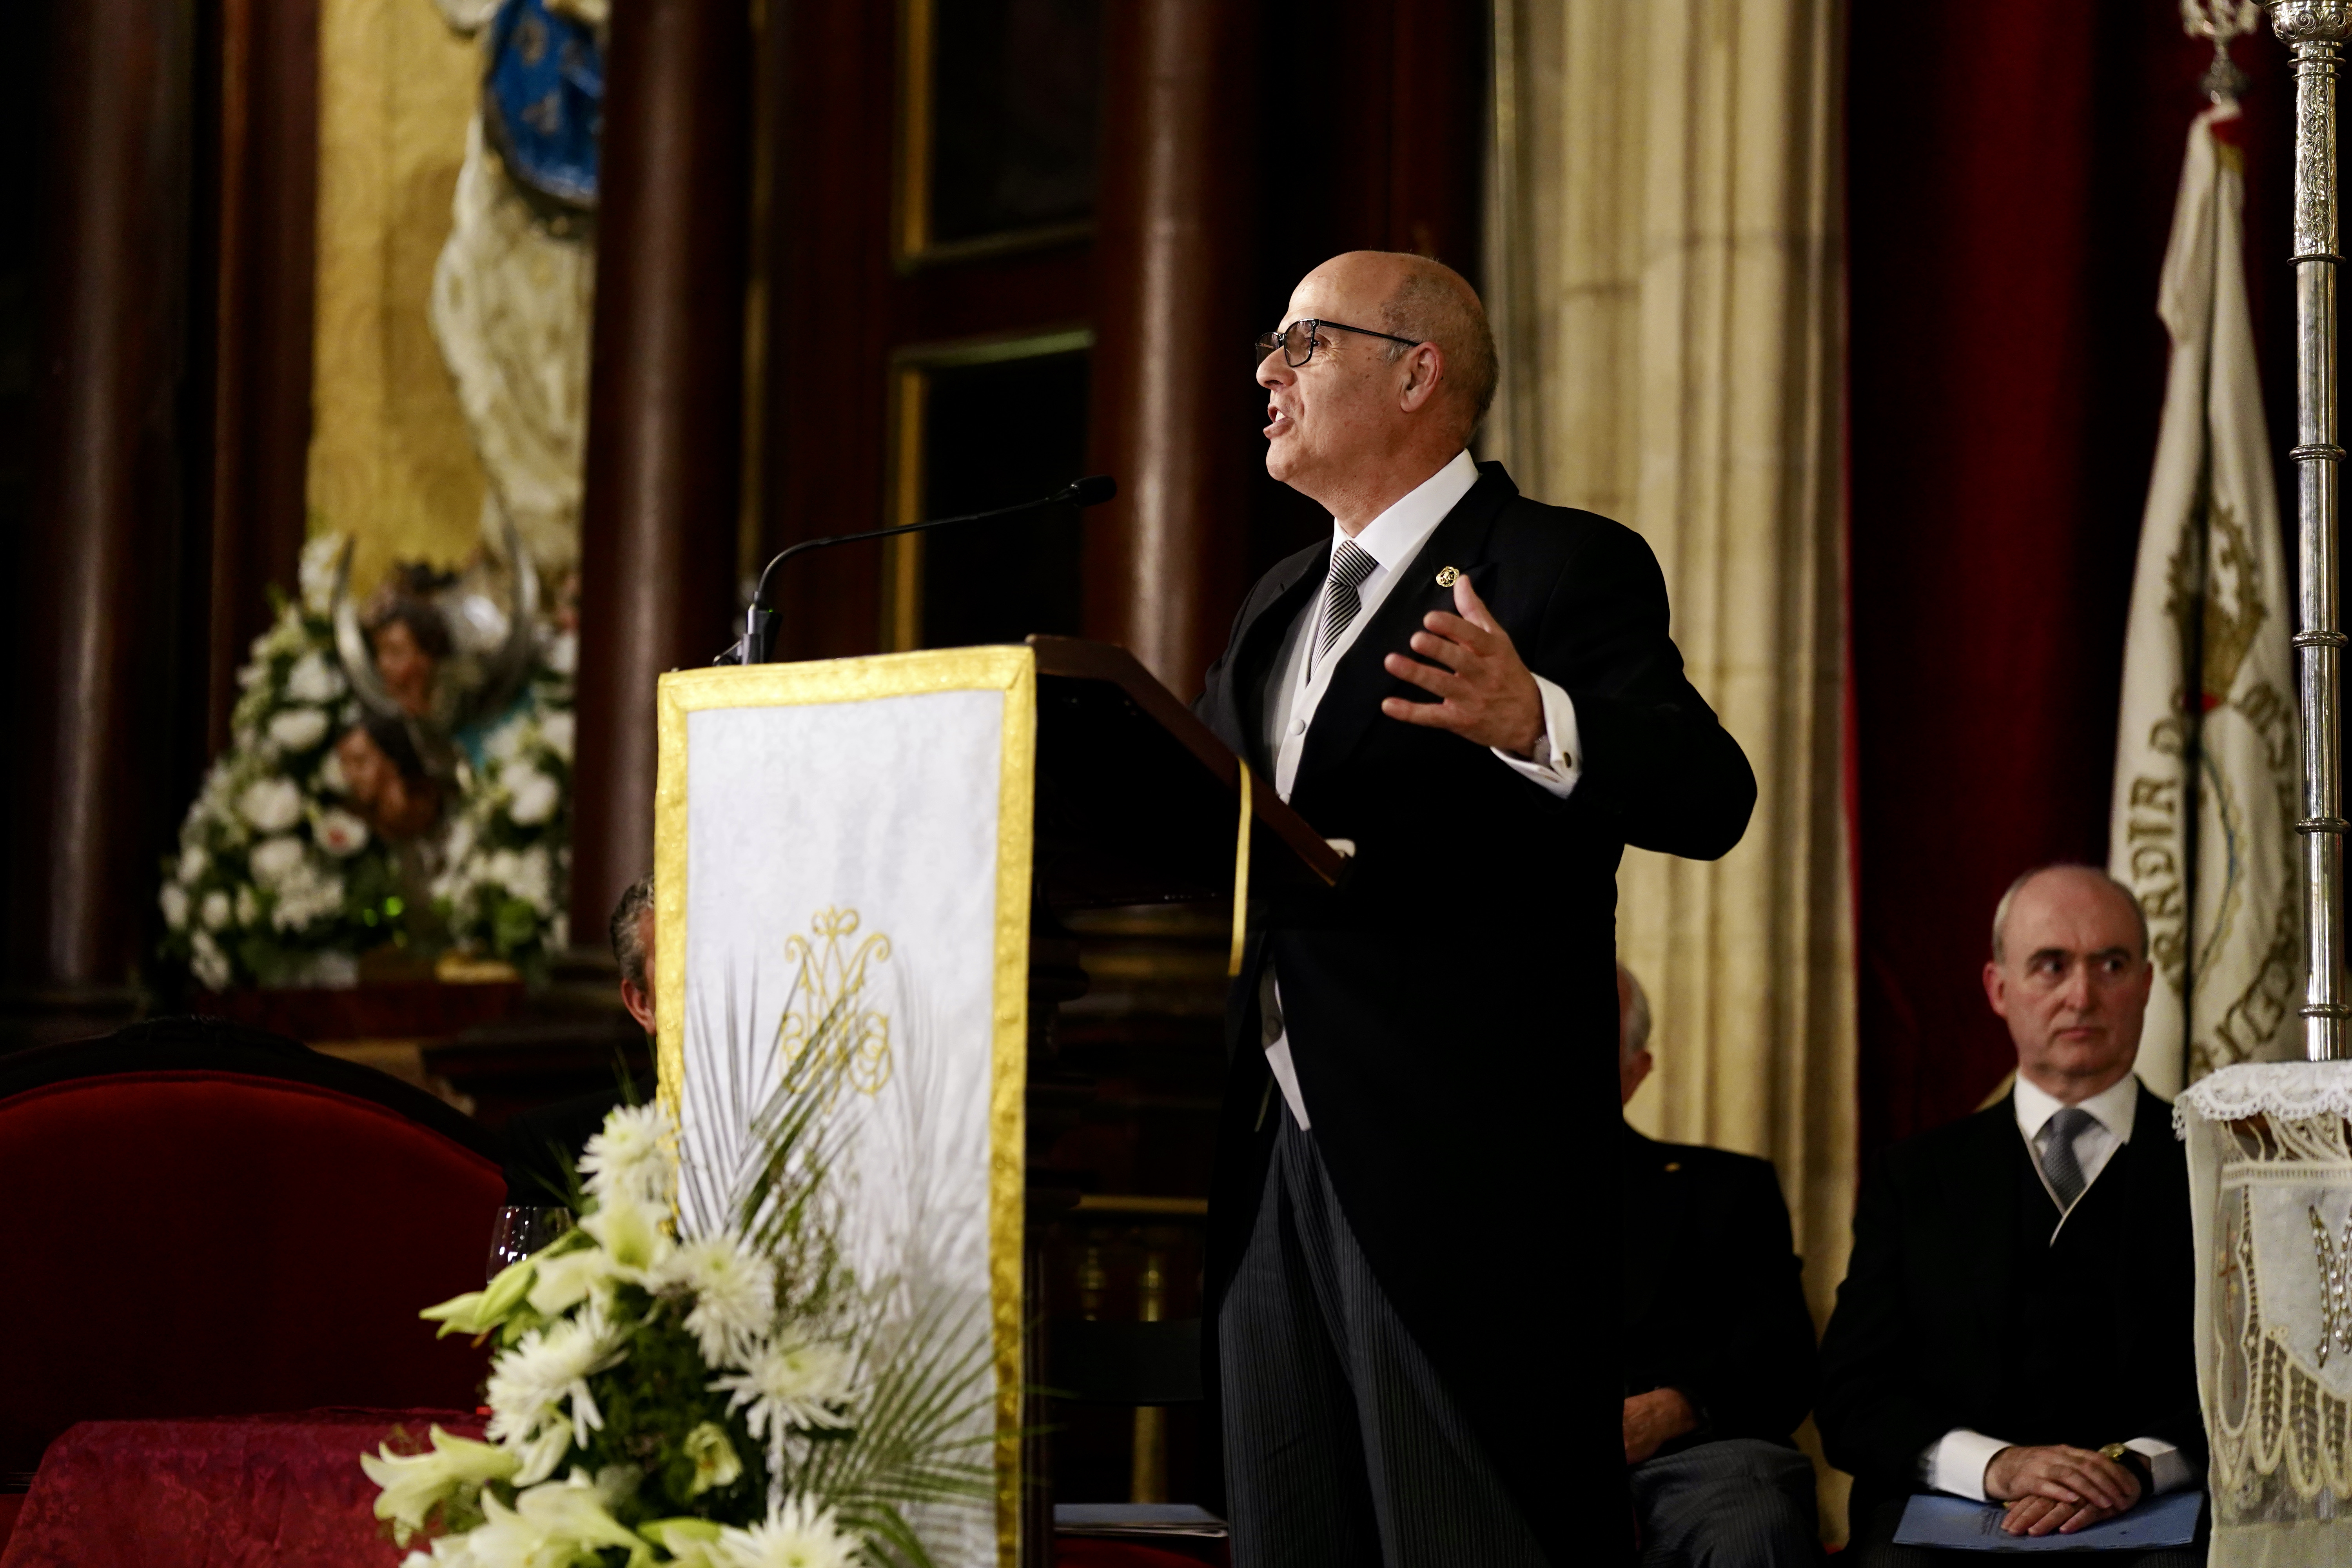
{"x": 537, "y": 1139}
{"x": 2014, "y": 1326}
{"x": 1719, "y": 1346}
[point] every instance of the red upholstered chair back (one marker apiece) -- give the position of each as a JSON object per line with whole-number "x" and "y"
{"x": 200, "y": 1221}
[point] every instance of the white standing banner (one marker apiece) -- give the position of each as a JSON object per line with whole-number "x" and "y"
{"x": 843, "y": 871}
{"x": 2202, "y": 826}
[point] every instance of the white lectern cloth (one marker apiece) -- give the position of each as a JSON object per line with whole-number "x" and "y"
{"x": 852, "y": 839}
{"x": 2271, "y": 1193}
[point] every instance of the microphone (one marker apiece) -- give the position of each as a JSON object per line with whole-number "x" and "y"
{"x": 760, "y": 622}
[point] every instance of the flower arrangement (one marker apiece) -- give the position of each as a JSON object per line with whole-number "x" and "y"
{"x": 276, "y": 879}
{"x": 279, "y": 879}
{"x": 501, "y": 891}
{"x": 730, "y": 1400}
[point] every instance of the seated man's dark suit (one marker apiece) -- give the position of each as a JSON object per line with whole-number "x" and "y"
{"x": 1452, "y": 1007}
{"x": 1960, "y": 1309}
{"x": 1715, "y": 1307}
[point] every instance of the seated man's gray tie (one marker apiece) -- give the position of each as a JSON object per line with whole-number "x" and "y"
{"x": 1350, "y": 566}
{"x": 2058, "y": 1162}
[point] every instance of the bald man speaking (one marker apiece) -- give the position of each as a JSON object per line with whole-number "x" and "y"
{"x": 1414, "y": 1244}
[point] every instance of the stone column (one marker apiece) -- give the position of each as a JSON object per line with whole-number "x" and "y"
{"x": 97, "y": 572}
{"x": 665, "y": 411}
{"x": 1174, "y": 414}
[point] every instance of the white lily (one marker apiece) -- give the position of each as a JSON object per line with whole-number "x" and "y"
{"x": 550, "y": 1525}
{"x": 415, "y": 1484}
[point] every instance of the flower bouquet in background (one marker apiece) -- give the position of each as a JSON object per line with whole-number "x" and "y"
{"x": 507, "y": 854}
{"x": 732, "y": 1400}
{"x": 277, "y": 880}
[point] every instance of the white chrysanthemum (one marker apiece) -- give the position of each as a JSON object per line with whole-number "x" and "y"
{"x": 306, "y": 896}
{"x": 175, "y": 899}
{"x": 532, "y": 795}
{"x": 273, "y": 860}
{"x": 734, "y": 1291}
{"x": 526, "y": 874}
{"x": 794, "y": 1380}
{"x": 313, "y": 680}
{"x": 192, "y": 862}
{"x": 339, "y": 832}
{"x": 298, "y": 728}
{"x": 557, "y": 727}
{"x": 796, "y": 1534}
{"x": 271, "y": 805}
{"x": 215, "y": 912}
{"x": 210, "y": 963}
{"x": 631, "y": 1154}
{"x": 532, "y": 1385}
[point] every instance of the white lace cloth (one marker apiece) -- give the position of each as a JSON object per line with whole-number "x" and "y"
{"x": 2298, "y": 1091}
{"x": 2269, "y": 1159}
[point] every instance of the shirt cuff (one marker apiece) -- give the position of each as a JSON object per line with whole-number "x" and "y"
{"x": 1559, "y": 760}
{"x": 2167, "y": 1470}
{"x": 1957, "y": 1463}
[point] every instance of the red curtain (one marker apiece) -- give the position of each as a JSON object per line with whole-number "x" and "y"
{"x": 2011, "y": 168}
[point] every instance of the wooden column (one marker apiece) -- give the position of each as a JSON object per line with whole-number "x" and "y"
{"x": 95, "y": 591}
{"x": 1175, "y": 413}
{"x": 265, "y": 162}
{"x": 665, "y": 411}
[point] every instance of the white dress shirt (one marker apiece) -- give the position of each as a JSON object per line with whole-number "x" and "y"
{"x": 1957, "y": 1461}
{"x": 1301, "y": 676}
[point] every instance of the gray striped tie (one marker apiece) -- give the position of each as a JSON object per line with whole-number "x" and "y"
{"x": 2058, "y": 1162}
{"x": 1349, "y": 567}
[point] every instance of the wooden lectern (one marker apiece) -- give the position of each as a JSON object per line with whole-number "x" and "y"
{"x": 884, "y": 841}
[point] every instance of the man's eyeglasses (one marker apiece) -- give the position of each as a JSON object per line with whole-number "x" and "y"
{"x": 1299, "y": 340}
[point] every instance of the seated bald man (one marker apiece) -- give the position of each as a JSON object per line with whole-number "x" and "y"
{"x": 2014, "y": 1326}
{"x": 1413, "y": 1256}
{"x": 1719, "y": 1346}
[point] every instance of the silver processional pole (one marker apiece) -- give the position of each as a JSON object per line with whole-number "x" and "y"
{"x": 2316, "y": 31}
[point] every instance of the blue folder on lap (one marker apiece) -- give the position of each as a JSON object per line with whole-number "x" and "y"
{"x": 1956, "y": 1523}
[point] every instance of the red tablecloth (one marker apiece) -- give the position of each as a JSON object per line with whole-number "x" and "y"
{"x": 283, "y": 1490}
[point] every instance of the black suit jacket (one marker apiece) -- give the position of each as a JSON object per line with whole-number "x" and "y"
{"x": 1715, "y": 1294}
{"x": 1929, "y": 1333}
{"x": 1452, "y": 1007}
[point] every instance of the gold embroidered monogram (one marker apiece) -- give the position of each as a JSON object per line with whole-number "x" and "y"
{"x": 827, "y": 1026}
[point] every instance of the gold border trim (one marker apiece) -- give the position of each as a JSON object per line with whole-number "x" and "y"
{"x": 1012, "y": 670}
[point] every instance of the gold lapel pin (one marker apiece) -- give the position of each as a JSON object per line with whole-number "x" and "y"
{"x": 1449, "y": 575}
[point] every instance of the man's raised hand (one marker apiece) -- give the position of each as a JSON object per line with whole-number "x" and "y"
{"x": 1486, "y": 695}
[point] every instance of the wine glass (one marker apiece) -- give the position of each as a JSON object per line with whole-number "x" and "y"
{"x": 520, "y": 1230}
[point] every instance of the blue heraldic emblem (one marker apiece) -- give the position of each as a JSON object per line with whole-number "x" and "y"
{"x": 543, "y": 103}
